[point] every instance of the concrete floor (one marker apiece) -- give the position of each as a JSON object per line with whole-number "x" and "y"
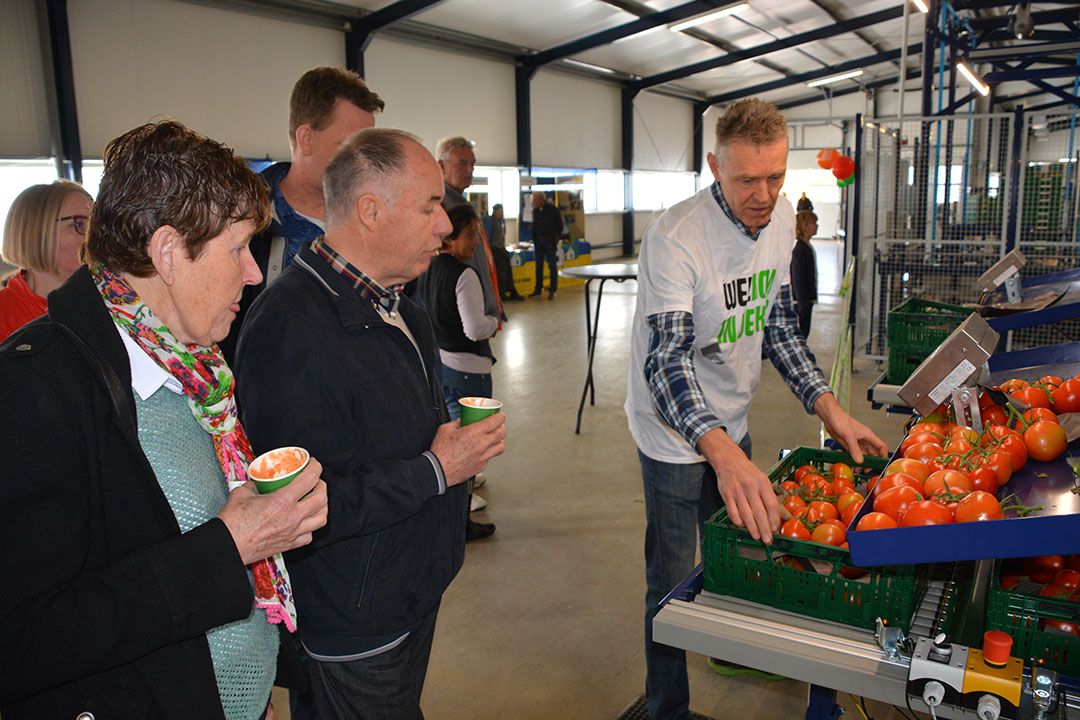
{"x": 545, "y": 619}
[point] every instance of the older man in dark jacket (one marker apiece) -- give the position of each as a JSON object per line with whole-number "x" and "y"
{"x": 336, "y": 359}
{"x": 546, "y": 228}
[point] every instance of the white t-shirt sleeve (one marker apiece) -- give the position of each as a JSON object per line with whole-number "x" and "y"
{"x": 470, "y": 302}
{"x": 671, "y": 273}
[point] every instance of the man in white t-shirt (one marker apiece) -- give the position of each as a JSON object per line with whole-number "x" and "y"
{"x": 713, "y": 297}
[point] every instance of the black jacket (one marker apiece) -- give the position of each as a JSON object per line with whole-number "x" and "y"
{"x": 438, "y": 289}
{"x": 803, "y": 274}
{"x": 319, "y": 368}
{"x": 547, "y": 225}
{"x": 105, "y": 605}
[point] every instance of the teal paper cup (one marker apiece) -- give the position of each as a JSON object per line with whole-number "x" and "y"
{"x": 276, "y": 469}
{"x": 475, "y": 409}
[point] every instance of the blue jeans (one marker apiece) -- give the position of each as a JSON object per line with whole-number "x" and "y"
{"x": 678, "y": 501}
{"x": 456, "y": 385}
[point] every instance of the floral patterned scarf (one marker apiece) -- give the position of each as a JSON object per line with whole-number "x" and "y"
{"x": 208, "y": 384}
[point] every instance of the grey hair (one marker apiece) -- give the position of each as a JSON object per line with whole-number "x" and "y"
{"x": 448, "y": 144}
{"x": 371, "y": 156}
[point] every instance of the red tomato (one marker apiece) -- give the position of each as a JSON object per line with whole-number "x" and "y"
{"x": 789, "y": 486}
{"x": 1033, "y": 396}
{"x": 849, "y": 513}
{"x": 1010, "y": 582}
{"x": 1067, "y": 397}
{"x": 794, "y": 528}
{"x": 842, "y": 471}
{"x": 1063, "y": 626}
{"x": 984, "y": 478}
{"x": 1045, "y": 440}
{"x": 846, "y": 499}
{"x": 813, "y": 481}
{"x": 825, "y": 510}
{"x": 1033, "y": 415}
{"x": 924, "y": 451}
{"x": 977, "y": 506}
{"x": 1073, "y": 562}
{"x": 828, "y": 534}
{"x": 795, "y": 505}
{"x": 947, "y": 482}
{"x": 927, "y": 426}
{"x": 1043, "y": 568}
{"x": 994, "y": 415}
{"x": 1012, "y": 385}
{"x": 1000, "y": 462}
{"x": 1049, "y": 380}
{"x": 840, "y": 486}
{"x": 1017, "y": 450}
{"x": 875, "y": 521}
{"x": 917, "y": 437}
{"x": 803, "y": 470}
{"x": 896, "y": 480}
{"x": 1067, "y": 578}
{"x": 1054, "y": 591}
{"x": 894, "y": 502}
{"x": 914, "y": 468}
{"x": 926, "y": 512}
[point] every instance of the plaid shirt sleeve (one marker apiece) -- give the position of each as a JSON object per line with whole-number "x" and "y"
{"x": 669, "y": 372}
{"x": 786, "y": 348}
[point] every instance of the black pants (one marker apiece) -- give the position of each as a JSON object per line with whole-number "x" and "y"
{"x": 503, "y": 271}
{"x": 804, "y": 310}
{"x": 384, "y": 687}
{"x": 546, "y": 251}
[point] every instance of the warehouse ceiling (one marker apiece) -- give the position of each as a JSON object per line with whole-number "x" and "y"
{"x": 790, "y": 41}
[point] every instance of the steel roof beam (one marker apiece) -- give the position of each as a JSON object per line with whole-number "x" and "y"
{"x": 358, "y": 37}
{"x": 812, "y": 75}
{"x": 872, "y": 85}
{"x": 605, "y": 37}
{"x": 1043, "y": 17}
{"x": 731, "y": 58}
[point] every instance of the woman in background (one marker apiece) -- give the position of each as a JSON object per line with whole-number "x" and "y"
{"x": 455, "y": 301}
{"x": 804, "y": 269}
{"x": 43, "y": 235}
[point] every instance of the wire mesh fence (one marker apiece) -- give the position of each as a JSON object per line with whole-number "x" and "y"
{"x": 937, "y": 210}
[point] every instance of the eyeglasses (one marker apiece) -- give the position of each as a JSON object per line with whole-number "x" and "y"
{"x": 78, "y": 222}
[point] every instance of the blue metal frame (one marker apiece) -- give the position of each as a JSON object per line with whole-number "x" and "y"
{"x": 831, "y": 30}
{"x": 855, "y": 64}
{"x": 59, "y": 44}
{"x": 872, "y": 85}
{"x": 358, "y": 37}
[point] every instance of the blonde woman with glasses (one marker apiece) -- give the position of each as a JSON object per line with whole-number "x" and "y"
{"x": 43, "y": 235}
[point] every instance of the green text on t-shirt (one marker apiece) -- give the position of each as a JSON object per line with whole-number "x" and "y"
{"x": 749, "y": 296}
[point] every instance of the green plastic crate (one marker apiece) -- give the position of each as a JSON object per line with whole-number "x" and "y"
{"x": 915, "y": 328}
{"x": 738, "y": 565}
{"x": 1018, "y": 614}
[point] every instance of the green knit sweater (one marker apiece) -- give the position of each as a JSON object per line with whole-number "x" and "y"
{"x": 182, "y": 456}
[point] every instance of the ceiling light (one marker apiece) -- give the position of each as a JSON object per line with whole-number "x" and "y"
{"x": 588, "y": 66}
{"x": 921, "y": 6}
{"x": 834, "y": 78}
{"x": 708, "y": 16}
{"x": 971, "y": 77}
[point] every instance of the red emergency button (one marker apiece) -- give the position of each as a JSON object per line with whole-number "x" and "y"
{"x": 997, "y": 647}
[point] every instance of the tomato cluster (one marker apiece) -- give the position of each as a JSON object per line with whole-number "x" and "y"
{"x": 1048, "y": 576}
{"x": 822, "y": 503}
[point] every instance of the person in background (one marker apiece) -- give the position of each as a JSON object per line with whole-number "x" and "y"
{"x": 804, "y": 269}
{"x": 327, "y": 105}
{"x": 804, "y": 204}
{"x": 335, "y": 359}
{"x": 43, "y": 234}
{"x": 495, "y": 230}
{"x": 547, "y": 227}
{"x": 452, "y": 295}
{"x": 457, "y": 161}
{"x": 138, "y": 585}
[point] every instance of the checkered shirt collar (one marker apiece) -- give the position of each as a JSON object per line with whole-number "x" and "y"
{"x": 719, "y": 197}
{"x": 375, "y": 293}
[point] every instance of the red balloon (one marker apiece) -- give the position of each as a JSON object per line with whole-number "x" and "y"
{"x": 843, "y": 167}
{"x": 826, "y": 157}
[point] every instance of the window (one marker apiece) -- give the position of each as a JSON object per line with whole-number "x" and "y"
{"x": 17, "y": 175}
{"x": 661, "y": 190}
{"x": 501, "y": 184}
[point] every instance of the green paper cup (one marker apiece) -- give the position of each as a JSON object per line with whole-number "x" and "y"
{"x": 277, "y": 468}
{"x": 475, "y": 409}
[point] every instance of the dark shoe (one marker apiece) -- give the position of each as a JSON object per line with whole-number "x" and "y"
{"x": 727, "y": 669}
{"x": 516, "y": 297}
{"x": 551, "y": 294}
{"x": 478, "y": 531}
